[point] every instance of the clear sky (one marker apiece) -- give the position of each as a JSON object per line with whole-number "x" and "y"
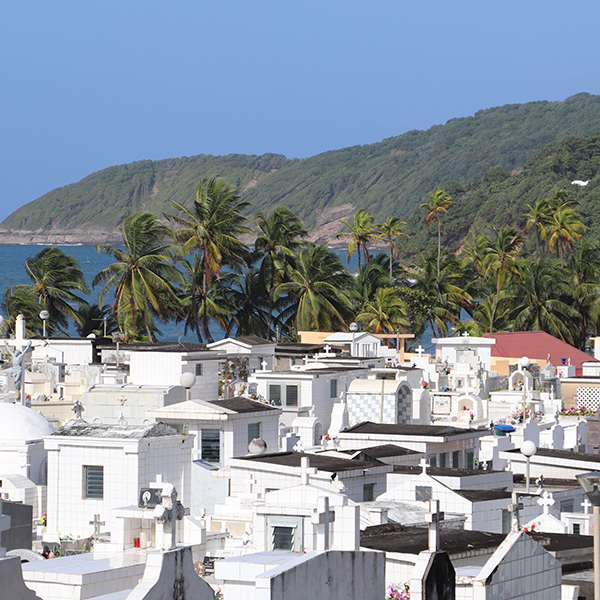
{"x": 86, "y": 85}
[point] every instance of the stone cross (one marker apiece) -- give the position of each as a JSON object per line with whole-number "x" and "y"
{"x": 514, "y": 508}
{"x": 546, "y": 500}
{"x": 77, "y": 409}
{"x": 97, "y": 523}
{"x": 465, "y": 335}
{"x": 586, "y": 506}
{"x": 424, "y": 465}
{"x": 434, "y": 518}
{"x": 122, "y": 400}
{"x": 167, "y": 514}
{"x": 299, "y": 446}
{"x": 264, "y": 364}
{"x": 305, "y": 470}
{"x": 323, "y": 517}
{"x": 420, "y": 350}
{"x": 327, "y": 348}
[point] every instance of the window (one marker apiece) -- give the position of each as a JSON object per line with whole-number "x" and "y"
{"x": 293, "y": 361}
{"x": 368, "y": 492}
{"x": 283, "y": 538}
{"x": 291, "y": 395}
{"x": 432, "y": 461}
{"x": 253, "y": 431}
{"x": 275, "y": 394}
{"x": 210, "y": 445}
{"x": 506, "y": 521}
{"x": 576, "y": 528}
{"x": 443, "y": 456}
{"x": 93, "y": 482}
{"x": 455, "y": 459}
{"x": 566, "y": 506}
{"x": 333, "y": 388}
{"x": 469, "y": 460}
{"x": 198, "y": 369}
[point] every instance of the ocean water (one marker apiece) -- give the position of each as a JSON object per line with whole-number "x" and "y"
{"x": 12, "y": 272}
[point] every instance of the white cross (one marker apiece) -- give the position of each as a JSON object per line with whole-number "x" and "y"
{"x": 263, "y": 364}
{"x": 546, "y": 500}
{"x": 122, "y": 400}
{"x": 168, "y": 513}
{"x": 514, "y": 508}
{"x": 424, "y": 464}
{"x": 97, "y": 523}
{"x": 299, "y": 447}
{"x": 586, "y": 506}
{"x": 323, "y": 517}
{"x": 420, "y": 350}
{"x": 327, "y": 348}
{"x": 306, "y": 359}
{"x": 465, "y": 335}
{"x": 305, "y": 470}
{"x": 157, "y": 485}
{"x": 434, "y": 518}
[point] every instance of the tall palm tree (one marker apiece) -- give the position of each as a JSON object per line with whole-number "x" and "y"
{"x": 97, "y": 320}
{"x": 211, "y": 229}
{"x": 280, "y": 233}
{"x": 440, "y": 203}
{"x": 56, "y": 278}
{"x": 362, "y": 230}
{"x": 537, "y": 218}
{"x": 564, "y": 229}
{"x": 142, "y": 276}
{"x": 319, "y": 285}
{"x": 501, "y": 262}
{"x": 389, "y": 230}
{"x": 18, "y": 300}
{"x": 386, "y": 313}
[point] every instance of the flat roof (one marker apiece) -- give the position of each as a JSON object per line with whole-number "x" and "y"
{"x": 399, "y": 429}
{"x": 562, "y": 454}
{"x": 79, "y": 428}
{"x": 383, "y": 451}
{"x": 443, "y": 471}
{"x": 321, "y": 462}
{"x": 240, "y": 404}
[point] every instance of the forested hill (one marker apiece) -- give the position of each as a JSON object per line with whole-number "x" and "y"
{"x": 389, "y": 178}
{"x": 501, "y": 197}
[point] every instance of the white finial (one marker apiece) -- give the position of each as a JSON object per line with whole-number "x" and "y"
{"x": 424, "y": 464}
{"x": 546, "y": 500}
{"x": 586, "y": 506}
{"x": 263, "y": 364}
{"x": 305, "y": 470}
{"x": 420, "y": 350}
{"x": 323, "y": 517}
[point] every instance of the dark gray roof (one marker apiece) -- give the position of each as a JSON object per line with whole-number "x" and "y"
{"x": 442, "y": 471}
{"x": 252, "y": 340}
{"x": 159, "y": 346}
{"x": 398, "y": 429}
{"x": 483, "y": 495}
{"x": 83, "y": 429}
{"x": 243, "y": 405}
{"x": 412, "y": 540}
{"x": 318, "y": 461}
{"x": 563, "y": 454}
{"x": 383, "y": 451}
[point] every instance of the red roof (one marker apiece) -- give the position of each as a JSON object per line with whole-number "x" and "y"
{"x": 537, "y": 344}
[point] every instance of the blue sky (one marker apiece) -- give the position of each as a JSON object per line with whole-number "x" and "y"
{"x": 86, "y": 85}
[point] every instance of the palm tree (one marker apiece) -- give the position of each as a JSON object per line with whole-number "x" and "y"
{"x": 537, "y": 218}
{"x": 280, "y": 233}
{"x": 211, "y": 228}
{"x": 440, "y": 203}
{"x": 142, "y": 276}
{"x": 387, "y": 313}
{"x": 18, "y": 300}
{"x": 55, "y": 279}
{"x": 500, "y": 262}
{"x": 565, "y": 228}
{"x": 318, "y": 284}
{"x": 389, "y": 230}
{"x": 362, "y": 230}
{"x": 97, "y": 320}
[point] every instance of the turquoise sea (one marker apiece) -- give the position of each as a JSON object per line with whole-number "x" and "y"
{"x": 12, "y": 272}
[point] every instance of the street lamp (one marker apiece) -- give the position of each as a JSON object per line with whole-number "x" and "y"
{"x": 528, "y": 449}
{"x": 118, "y": 336}
{"x": 187, "y": 381}
{"x": 44, "y": 316}
{"x": 353, "y": 329}
{"x": 590, "y": 482}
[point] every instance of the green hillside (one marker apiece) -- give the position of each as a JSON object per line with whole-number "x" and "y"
{"x": 389, "y": 177}
{"x": 501, "y": 197}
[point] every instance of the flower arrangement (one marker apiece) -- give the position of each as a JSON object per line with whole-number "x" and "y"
{"x": 425, "y": 385}
{"x": 397, "y": 591}
{"x": 576, "y": 412}
{"x": 519, "y": 415}
{"x": 531, "y": 527}
{"x": 44, "y": 519}
{"x": 218, "y": 594}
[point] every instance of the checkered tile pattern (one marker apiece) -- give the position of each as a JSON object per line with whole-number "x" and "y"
{"x": 367, "y": 407}
{"x": 588, "y": 398}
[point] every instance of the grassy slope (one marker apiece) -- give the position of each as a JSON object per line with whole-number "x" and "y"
{"x": 390, "y": 177}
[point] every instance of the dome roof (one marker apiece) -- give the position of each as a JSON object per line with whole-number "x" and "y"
{"x": 17, "y": 422}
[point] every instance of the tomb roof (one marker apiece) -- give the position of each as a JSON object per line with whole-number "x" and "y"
{"x": 83, "y": 429}
{"x": 319, "y": 462}
{"x": 159, "y": 346}
{"x": 240, "y": 404}
{"x": 418, "y": 430}
{"x": 562, "y": 454}
{"x": 442, "y": 471}
{"x": 18, "y": 422}
{"x": 483, "y": 495}
{"x": 383, "y": 451}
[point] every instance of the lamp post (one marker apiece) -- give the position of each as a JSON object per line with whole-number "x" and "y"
{"x": 187, "y": 381}
{"x": 118, "y": 336}
{"x": 44, "y": 316}
{"x": 590, "y": 482}
{"x": 353, "y": 329}
{"x": 528, "y": 449}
